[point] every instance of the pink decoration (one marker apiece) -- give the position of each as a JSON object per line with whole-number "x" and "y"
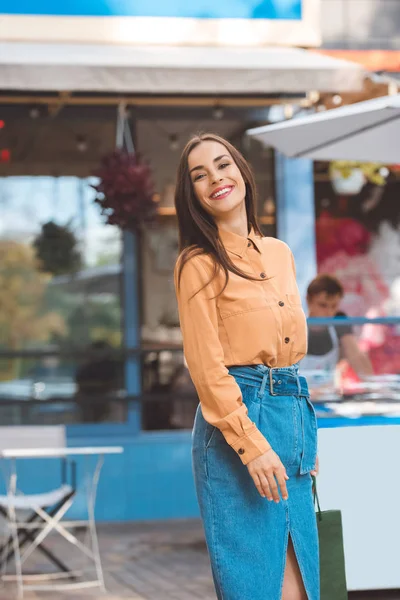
{"x": 340, "y": 234}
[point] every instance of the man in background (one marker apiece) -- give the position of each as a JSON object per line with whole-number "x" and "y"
{"x": 328, "y": 344}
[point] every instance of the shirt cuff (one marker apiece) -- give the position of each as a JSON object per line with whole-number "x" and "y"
{"x": 251, "y": 445}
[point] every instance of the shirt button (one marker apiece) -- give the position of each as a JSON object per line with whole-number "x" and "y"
{"x": 263, "y": 275}
{"x": 241, "y": 451}
{"x": 287, "y": 340}
{"x": 281, "y": 303}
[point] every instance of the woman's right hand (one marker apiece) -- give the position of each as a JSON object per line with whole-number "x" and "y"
{"x": 268, "y": 472}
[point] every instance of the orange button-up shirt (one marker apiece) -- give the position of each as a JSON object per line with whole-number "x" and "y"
{"x": 249, "y": 323}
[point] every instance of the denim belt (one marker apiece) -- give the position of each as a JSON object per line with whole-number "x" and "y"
{"x": 280, "y": 381}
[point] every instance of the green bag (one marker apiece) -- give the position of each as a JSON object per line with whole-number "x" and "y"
{"x": 331, "y": 552}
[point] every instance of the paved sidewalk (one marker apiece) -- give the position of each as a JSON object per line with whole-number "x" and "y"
{"x": 141, "y": 561}
{"x": 147, "y": 561}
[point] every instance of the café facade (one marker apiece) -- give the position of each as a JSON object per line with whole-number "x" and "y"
{"x": 75, "y": 83}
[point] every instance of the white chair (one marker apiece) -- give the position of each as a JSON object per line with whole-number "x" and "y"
{"x": 44, "y": 511}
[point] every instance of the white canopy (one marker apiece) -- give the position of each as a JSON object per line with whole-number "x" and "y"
{"x": 172, "y": 69}
{"x": 366, "y": 131}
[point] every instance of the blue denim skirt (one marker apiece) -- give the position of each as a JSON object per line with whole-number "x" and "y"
{"x": 247, "y": 536}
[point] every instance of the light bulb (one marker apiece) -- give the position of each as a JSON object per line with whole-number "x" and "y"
{"x": 81, "y": 143}
{"x": 269, "y": 206}
{"x": 173, "y": 141}
{"x": 34, "y": 113}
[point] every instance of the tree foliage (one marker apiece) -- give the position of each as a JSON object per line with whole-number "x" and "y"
{"x": 57, "y": 249}
{"x": 23, "y": 316}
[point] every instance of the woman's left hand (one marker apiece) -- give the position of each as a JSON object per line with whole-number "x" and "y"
{"x": 315, "y": 472}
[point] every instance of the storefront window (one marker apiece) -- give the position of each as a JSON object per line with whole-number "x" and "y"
{"x": 60, "y": 303}
{"x": 357, "y": 232}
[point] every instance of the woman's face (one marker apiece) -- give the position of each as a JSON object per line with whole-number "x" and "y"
{"x": 217, "y": 180}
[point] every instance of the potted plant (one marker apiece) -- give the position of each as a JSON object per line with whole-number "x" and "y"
{"x": 125, "y": 190}
{"x": 349, "y": 177}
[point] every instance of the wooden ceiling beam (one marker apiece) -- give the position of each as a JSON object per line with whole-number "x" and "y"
{"x": 373, "y": 88}
{"x": 65, "y": 98}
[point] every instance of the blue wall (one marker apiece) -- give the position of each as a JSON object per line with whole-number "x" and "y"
{"x": 200, "y": 9}
{"x": 151, "y": 480}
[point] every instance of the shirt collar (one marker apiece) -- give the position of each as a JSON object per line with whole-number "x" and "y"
{"x": 238, "y": 244}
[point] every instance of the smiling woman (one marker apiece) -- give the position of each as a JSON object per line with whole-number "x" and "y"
{"x": 199, "y": 179}
{"x": 244, "y": 331}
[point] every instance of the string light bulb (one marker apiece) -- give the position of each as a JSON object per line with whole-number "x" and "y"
{"x": 218, "y": 113}
{"x": 173, "y": 141}
{"x": 81, "y": 143}
{"x": 34, "y": 112}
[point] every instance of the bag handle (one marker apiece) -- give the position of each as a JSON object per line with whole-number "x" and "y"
{"x": 316, "y": 499}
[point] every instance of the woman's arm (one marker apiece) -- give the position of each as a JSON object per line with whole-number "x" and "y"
{"x": 219, "y": 394}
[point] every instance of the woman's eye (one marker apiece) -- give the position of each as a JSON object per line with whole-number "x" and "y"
{"x": 223, "y": 165}
{"x": 198, "y": 177}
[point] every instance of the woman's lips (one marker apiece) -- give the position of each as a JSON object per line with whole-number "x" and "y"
{"x": 226, "y": 190}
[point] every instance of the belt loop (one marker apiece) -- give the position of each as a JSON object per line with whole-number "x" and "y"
{"x": 263, "y": 384}
{"x": 298, "y": 384}
{"x": 271, "y": 382}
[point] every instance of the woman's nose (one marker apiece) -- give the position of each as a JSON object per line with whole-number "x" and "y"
{"x": 216, "y": 177}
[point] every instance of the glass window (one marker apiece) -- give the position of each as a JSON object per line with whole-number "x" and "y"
{"x": 357, "y": 235}
{"x": 60, "y": 302}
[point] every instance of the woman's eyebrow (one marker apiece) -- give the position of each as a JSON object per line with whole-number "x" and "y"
{"x": 199, "y": 167}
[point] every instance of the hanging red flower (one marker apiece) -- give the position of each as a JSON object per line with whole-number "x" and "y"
{"x": 125, "y": 191}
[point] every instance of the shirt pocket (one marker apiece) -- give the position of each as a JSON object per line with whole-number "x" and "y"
{"x": 251, "y": 328}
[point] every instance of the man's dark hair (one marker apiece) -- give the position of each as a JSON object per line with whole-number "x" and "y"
{"x": 325, "y": 283}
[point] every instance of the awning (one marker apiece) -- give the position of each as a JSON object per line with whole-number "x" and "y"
{"x": 172, "y": 69}
{"x": 366, "y": 131}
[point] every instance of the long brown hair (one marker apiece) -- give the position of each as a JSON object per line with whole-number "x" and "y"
{"x": 198, "y": 232}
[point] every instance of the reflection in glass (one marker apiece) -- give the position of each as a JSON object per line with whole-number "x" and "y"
{"x": 59, "y": 290}
{"x": 56, "y": 390}
{"x": 169, "y": 399}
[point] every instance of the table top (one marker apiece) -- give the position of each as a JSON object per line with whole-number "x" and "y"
{"x": 59, "y": 452}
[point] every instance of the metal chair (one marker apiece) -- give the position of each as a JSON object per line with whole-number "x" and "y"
{"x": 44, "y": 511}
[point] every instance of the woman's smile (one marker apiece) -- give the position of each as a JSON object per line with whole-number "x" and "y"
{"x": 221, "y": 192}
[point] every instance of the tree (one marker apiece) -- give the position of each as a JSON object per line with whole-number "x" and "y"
{"x": 57, "y": 249}
{"x": 23, "y": 316}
